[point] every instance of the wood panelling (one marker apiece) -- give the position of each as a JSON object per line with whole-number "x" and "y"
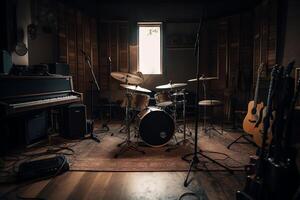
{"x": 80, "y": 57}
{"x": 265, "y": 36}
{"x": 104, "y": 53}
{"x": 72, "y": 53}
{"x": 113, "y": 43}
{"x": 77, "y": 32}
{"x": 230, "y": 49}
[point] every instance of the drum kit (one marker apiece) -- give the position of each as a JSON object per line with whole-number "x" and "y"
{"x": 156, "y": 125}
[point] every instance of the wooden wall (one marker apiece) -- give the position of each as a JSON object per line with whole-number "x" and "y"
{"x": 265, "y": 42}
{"x": 113, "y": 43}
{"x": 242, "y": 42}
{"x": 76, "y": 32}
{"x": 230, "y": 51}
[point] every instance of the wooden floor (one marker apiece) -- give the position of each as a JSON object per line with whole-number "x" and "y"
{"x": 131, "y": 185}
{"x": 75, "y": 185}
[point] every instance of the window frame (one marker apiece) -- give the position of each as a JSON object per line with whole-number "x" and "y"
{"x": 150, "y": 24}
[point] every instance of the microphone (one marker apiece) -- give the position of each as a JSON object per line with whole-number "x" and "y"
{"x": 109, "y": 59}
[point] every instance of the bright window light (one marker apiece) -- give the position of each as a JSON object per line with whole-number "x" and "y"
{"x": 149, "y": 55}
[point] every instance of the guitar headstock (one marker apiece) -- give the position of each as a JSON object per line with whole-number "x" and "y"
{"x": 289, "y": 68}
{"x": 260, "y": 68}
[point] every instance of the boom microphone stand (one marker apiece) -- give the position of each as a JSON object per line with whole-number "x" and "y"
{"x": 93, "y": 81}
{"x": 195, "y": 160}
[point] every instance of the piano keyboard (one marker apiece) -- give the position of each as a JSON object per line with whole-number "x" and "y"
{"x": 44, "y": 101}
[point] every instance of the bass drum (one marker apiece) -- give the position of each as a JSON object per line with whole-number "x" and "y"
{"x": 156, "y": 127}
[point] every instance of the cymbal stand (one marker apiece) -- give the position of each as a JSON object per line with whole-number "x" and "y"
{"x": 127, "y": 144}
{"x": 195, "y": 161}
{"x": 211, "y": 126}
{"x": 184, "y": 140}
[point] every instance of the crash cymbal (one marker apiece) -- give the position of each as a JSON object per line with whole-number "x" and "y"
{"x": 127, "y": 78}
{"x": 203, "y": 79}
{"x": 135, "y": 88}
{"x": 171, "y": 86}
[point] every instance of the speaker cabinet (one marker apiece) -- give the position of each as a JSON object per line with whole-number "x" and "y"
{"x": 36, "y": 126}
{"x": 74, "y": 121}
{"x": 59, "y": 68}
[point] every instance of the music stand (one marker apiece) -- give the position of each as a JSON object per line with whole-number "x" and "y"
{"x": 195, "y": 160}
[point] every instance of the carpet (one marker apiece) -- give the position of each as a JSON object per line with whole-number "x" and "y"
{"x": 92, "y": 156}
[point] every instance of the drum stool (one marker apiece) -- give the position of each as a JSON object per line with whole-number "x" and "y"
{"x": 211, "y": 104}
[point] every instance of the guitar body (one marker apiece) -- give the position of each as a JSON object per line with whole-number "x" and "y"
{"x": 252, "y": 121}
{"x": 258, "y": 137}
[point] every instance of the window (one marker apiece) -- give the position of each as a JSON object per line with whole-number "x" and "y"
{"x": 150, "y": 48}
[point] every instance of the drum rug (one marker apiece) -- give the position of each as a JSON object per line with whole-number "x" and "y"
{"x": 92, "y": 156}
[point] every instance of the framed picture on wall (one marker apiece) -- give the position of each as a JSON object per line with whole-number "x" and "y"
{"x": 297, "y": 76}
{"x": 180, "y": 35}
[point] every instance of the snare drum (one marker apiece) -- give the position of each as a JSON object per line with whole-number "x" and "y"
{"x": 137, "y": 101}
{"x": 156, "y": 127}
{"x": 163, "y": 99}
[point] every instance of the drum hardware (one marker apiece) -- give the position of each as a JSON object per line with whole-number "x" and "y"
{"x": 127, "y": 143}
{"x": 198, "y": 152}
{"x": 209, "y": 103}
{"x": 185, "y": 140}
{"x": 127, "y": 78}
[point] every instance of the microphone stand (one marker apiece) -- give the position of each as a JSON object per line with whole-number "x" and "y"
{"x": 93, "y": 81}
{"x": 195, "y": 160}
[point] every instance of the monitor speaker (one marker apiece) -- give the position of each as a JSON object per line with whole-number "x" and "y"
{"x": 36, "y": 126}
{"x": 74, "y": 121}
{"x": 59, "y": 68}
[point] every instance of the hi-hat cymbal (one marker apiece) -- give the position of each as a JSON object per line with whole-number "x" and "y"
{"x": 171, "y": 86}
{"x": 135, "y": 88}
{"x": 127, "y": 78}
{"x": 203, "y": 79}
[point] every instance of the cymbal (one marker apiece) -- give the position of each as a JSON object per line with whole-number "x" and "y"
{"x": 127, "y": 78}
{"x": 171, "y": 86}
{"x": 203, "y": 79}
{"x": 135, "y": 88}
{"x": 179, "y": 93}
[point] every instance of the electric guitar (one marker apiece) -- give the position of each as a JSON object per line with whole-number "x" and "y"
{"x": 251, "y": 123}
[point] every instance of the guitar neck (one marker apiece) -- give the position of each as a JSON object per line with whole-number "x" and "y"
{"x": 256, "y": 90}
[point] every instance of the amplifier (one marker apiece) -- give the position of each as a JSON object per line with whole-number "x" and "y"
{"x": 74, "y": 121}
{"x": 43, "y": 168}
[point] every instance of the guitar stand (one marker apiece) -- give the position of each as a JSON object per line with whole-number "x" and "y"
{"x": 245, "y": 137}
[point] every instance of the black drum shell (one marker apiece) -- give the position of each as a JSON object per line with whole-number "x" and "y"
{"x": 156, "y": 127}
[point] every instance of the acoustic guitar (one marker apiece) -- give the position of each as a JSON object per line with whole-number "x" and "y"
{"x": 252, "y": 121}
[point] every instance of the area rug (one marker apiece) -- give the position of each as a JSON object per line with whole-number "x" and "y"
{"x": 92, "y": 156}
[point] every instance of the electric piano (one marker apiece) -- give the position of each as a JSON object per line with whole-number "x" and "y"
{"x": 19, "y": 94}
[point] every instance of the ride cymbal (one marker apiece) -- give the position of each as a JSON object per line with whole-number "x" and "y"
{"x": 171, "y": 86}
{"x": 203, "y": 79}
{"x": 127, "y": 78}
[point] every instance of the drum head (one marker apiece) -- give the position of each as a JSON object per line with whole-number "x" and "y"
{"x": 156, "y": 128}
{"x": 164, "y": 104}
